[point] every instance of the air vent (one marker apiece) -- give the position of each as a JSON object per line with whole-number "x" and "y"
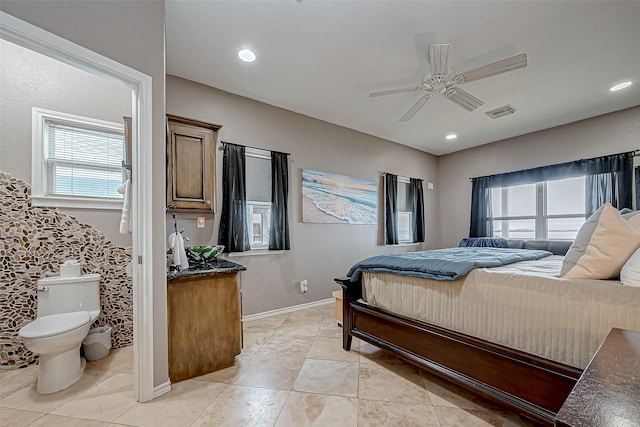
{"x": 501, "y": 112}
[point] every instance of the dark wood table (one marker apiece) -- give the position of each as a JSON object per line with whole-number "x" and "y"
{"x": 608, "y": 392}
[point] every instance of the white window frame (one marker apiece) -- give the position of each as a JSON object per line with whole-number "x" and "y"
{"x": 541, "y": 217}
{"x": 39, "y": 188}
{"x": 410, "y": 239}
{"x": 253, "y": 246}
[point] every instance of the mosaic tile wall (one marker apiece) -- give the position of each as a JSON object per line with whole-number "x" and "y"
{"x": 34, "y": 241}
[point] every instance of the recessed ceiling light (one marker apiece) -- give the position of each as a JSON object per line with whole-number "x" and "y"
{"x": 451, "y": 136}
{"x": 247, "y": 55}
{"x": 620, "y": 86}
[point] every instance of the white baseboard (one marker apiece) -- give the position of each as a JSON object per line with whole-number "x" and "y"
{"x": 161, "y": 389}
{"x": 286, "y": 310}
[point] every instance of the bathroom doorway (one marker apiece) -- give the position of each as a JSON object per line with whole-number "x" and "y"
{"x": 27, "y": 37}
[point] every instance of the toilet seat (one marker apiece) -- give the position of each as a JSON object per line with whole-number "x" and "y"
{"x": 55, "y": 324}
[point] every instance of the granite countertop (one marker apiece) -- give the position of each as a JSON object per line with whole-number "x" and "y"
{"x": 217, "y": 266}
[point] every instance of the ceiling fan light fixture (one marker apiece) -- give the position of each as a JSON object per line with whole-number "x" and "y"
{"x": 451, "y": 137}
{"x": 620, "y": 86}
{"x": 246, "y": 55}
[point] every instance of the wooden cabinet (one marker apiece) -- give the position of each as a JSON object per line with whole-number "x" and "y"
{"x": 204, "y": 324}
{"x": 191, "y": 164}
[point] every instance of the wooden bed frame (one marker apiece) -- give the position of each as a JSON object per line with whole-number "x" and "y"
{"x": 526, "y": 384}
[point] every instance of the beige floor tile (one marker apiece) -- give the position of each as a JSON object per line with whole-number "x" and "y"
{"x": 286, "y": 346}
{"x": 268, "y": 324}
{"x": 12, "y": 380}
{"x": 104, "y": 402}
{"x": 17, "y": 418}
{"x": 306, "y": 409}
{"x": 278, "y": 373}
{"x": 454, "y": 417}
{"x": 443, "y": 393}
{"x": 180, "y": 407}
{"x": 314, "y": 313}
{"x": 371, "y": 354}
{"x": 374, "y": 413}
{"x": 307, "y": 328}
{"x": 243, "y": 406}
{"x": 57, "y": 421}
{"x": 393, "y": 383}
{"x": 29, "y": 400}
{"x": 328, "y": 377}
{"x": 118, "y": 360}
{"x": 225, "y": 376}
{"x": 332, "y": 331}
{"x": 331, "y": 349}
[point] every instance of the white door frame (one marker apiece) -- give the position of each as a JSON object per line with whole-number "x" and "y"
{"x": 24, "y": 34}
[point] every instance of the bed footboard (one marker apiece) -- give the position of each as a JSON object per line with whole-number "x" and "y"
{"x": 529, "y": 385}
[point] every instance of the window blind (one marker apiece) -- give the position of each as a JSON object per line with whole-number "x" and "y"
{"x": 258, "y": 179}
{"x": 83, "y": 161}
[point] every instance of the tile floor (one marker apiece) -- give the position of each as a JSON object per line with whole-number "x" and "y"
{"x": 292, "y": 372}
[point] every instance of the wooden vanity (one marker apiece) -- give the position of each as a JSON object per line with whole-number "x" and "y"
{"x": 204, "y": 317}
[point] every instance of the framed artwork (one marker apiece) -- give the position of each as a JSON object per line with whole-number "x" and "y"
{"x": 338, "y": 199}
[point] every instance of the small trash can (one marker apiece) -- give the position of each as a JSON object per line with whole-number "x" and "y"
{"x": 97, "y": 344}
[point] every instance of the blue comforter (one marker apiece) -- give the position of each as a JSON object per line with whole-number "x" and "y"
{"x": 442, "y": 264}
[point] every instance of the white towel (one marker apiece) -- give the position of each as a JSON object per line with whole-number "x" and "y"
{"x": 179, "y": 255}
{"x": 125, "y": 219}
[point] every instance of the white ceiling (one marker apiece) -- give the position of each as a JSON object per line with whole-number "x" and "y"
{"x": 322, "y": 58}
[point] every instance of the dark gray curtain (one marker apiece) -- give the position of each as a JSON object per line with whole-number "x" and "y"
{"x": 637, "y": 173}
{"x": 279, "y": 234}
{"x": 416, "y": 200}
{"x": 233, "y": 233}
{"x": 481, "y": 215}
{"x": 391, "y": 209}
{"x": 610, "y": 181}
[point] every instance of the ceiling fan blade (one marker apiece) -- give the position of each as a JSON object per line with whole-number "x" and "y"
{"x": 440, "y": 59}
{"x": 463, "y": 98}
{"x": 416, "y": 107}
{"x": 394, "y": 91}
{"x": 509, "y": 64}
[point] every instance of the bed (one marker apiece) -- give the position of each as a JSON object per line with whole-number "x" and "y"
{"x": 524, "y": 346}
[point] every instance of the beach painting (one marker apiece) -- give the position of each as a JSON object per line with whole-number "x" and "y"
{"x": 338, "y": 199}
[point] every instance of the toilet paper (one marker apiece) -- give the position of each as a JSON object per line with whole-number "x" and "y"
{"x": 70, "y": 268}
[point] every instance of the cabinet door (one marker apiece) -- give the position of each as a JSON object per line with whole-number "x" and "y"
{"x": 190, "y": 167}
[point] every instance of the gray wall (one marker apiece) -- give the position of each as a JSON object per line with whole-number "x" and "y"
{"x": 29, "y": 79}
{"x": 608, "y": 134}
{"x": 131, "y": 33}
{"x": 319, "y": 252}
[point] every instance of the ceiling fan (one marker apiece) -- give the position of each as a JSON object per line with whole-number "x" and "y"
{"x": 444, "y": 80}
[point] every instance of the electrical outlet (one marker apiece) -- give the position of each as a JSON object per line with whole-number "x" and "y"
{"x": 304, "y": 286}
{"x": 200, "y": 221}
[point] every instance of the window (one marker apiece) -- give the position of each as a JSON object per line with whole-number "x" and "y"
{"x": 77, "y": 161}
{"x": 258, "y": 163}
{"x": 405, "y": 223}
{"x": 553, "y": 210}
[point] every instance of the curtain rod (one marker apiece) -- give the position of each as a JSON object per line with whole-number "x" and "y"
{"x": 255, "y": 148}
{"x": 400, "y": 176}
{"x": 634, "y": 153}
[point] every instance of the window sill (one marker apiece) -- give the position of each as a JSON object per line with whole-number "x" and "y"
{"x": 403, "y": 244}
{"x": 254, "y": 252}
{"x": 76, "y": 203}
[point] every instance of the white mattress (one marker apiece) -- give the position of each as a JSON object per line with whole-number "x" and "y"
{"x": 525, "y": 306}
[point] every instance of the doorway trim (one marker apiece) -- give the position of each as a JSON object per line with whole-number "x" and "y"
{"x": 29, "y": 36}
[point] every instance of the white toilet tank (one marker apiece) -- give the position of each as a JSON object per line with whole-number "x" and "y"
{"x": 66, "y": 294}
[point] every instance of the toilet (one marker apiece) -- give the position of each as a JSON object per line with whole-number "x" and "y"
{"x": 67, "y": 306}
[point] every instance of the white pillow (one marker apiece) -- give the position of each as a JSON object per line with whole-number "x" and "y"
{"x": 603, "y": 245}
{"x": 630, "y": 273}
